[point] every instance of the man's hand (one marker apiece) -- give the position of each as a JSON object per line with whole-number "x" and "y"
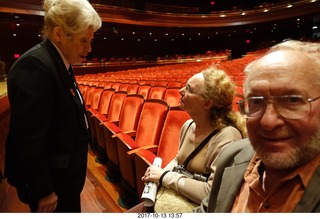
{"x": 48, "y": 204}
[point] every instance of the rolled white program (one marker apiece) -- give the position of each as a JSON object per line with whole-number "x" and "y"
{"x": 150, "y": 189}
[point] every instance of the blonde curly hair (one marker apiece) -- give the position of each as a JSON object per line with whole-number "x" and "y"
{"x": 219, "y": 87}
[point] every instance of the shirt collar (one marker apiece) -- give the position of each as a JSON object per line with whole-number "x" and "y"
{"x": 305, "y": 172}
{"x": 65, "y": 61}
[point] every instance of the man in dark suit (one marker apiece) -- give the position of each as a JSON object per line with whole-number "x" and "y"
{"x": 46, "y": 149}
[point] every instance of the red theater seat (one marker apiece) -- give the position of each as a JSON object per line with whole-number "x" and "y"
{"x": 167, "y": 148}
{"x": 148, "y": 133}
{"x": 112, "y": 116}
{"x": 144, "y": 90}
{"x": 172, "y": 96}
{"x": 128, "y": 122}
{"x": 157, "y": 92}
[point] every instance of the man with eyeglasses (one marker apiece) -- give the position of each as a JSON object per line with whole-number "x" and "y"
{"x": 277, "y": 168}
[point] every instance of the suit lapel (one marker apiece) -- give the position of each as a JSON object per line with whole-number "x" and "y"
{"x": 67, "y": 81}
{"x": 311, "y": 196}
{"x": 232, "y": 179}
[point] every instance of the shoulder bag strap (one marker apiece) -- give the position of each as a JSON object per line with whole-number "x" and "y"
{"x": 185, "y": 133}
{"x": 201, "y": 145}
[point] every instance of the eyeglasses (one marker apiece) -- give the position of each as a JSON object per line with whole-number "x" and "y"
{"x": 190, "y": 91}
{"x": 288, "y": 106}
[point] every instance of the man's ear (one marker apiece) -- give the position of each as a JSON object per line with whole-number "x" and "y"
{"x": 57, "y": 34}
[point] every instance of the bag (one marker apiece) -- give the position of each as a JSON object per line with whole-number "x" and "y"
{"x": 170, "y": 201}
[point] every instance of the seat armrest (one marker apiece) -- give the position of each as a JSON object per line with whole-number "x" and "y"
{"x": 126, "y": 140}
{"x": 131, "y": 133}
{"x": 152, "y": 148}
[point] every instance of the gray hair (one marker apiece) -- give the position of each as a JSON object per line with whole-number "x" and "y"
{"x": 72, "y": 16}
{"x": 308, "y": 49}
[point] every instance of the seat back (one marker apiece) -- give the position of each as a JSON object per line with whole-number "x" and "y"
{"x": 128, "y": 121}
{"x": 175, "y": 84}
{"x": 107, "y": 85}
{"x": 124, "y": 87}
{"x": 161, "y": 83}
{"x": 157, "y": 92}
{"x": 116, "y": 86}
{"x": 89, "y": 96}
{"x": 130, "y": 112}
{"x": 170, "y": 136}
{"x": 116, "y": 105}
{"x": 168, "y": 145}
{"x": 105, "y": 100}
{"x": 172, "y": 96}
{"x": 133, "y": 89}
{"x": 144, "y": 90}
{"x": 112, "y": 115}
{"x": 96, "y": 96}
{"x": 153, "y": 115}
{"x": 83, "y": 89}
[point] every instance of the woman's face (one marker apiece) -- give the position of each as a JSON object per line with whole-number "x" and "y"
{"x": 76, "y": 48}
{"x": 191, "y": 97}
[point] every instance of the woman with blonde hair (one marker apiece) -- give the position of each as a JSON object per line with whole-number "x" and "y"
{"x": 207, "y": 97}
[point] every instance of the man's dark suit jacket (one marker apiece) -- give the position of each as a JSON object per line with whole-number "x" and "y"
{"x": 229, "y": 177}
{"x": 46, "y": 148}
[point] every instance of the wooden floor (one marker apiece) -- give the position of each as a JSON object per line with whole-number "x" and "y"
{"x": 97, "y": 196}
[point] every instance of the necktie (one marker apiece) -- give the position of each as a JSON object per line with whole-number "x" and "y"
{"x": 70, "y": 71}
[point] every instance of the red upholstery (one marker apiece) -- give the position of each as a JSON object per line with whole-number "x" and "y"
{"x": 112, "y": 116}
{"x": 92, "y": 108}
{"x": 161, "y": 83}
{"x": 128, "y": 122}
{"x": 89, "y": 96}
{"x": 144, "y": 90}
{"x": 124, "y": 87}
{"x": 133, "y": 89}
{"x": 103, "y": 109}
{"x": 116, "y": 86}
{"x": 157, "y": 92}
{"x": 148, "y": 133}
{"x": 83, "y": 89}
{"x": 175, "y": 84}
{"x": 107, "y": 85}
{"x": 168, "y": 144}
{"x": 172, "y": 96}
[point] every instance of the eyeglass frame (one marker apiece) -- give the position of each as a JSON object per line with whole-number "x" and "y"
{"x": 190, "y": 91}
{"x": 241, "y": 104}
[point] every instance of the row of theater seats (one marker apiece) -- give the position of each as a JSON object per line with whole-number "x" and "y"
{"x": 129, "y": 130}
{"x": 135, "y": 119}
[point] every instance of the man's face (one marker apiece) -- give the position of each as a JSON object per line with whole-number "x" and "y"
{"x": 76, "y": 48}
{"x": 283, "y": 143}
